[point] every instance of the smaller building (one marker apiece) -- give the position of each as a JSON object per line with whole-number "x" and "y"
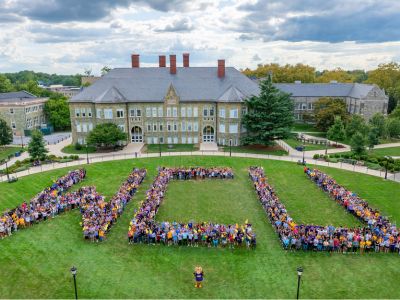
{"x": 67, "y": 91}
{"x": 22, "y": 111}
{"x": 361, "y": 99}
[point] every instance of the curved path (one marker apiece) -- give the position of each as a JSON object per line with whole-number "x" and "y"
{"x": 121, "y": 156}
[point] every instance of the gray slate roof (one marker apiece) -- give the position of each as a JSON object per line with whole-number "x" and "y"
{"x": 13, "y": 96}
{"x": 152, "y": 84}
{"x": 354, "y": 90}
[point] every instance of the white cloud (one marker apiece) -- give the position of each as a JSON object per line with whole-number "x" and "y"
{"x": 244, "y": 32}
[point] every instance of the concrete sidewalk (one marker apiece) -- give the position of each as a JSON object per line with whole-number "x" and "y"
{"x": 111, "y": 157}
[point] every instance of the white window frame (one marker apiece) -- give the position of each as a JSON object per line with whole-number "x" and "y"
{"x": 233, "y": 128}
{"x": 148, "y": 112}
{"x": 183, "y": 111}
{"x": 160, "y": 111}
{"x": 174, "y": 112}
{"x": 108, "y": 113}
{"x": 77, "y": 112}
{"x": 195, "y": 126}
{"x": 98, "y": 113}
{"x": 189, "y": 112}
{"x": 195, "y": 111}
{"x": 154, "y": 112}
{"x": 233, "y": 113}
{"x": 222, "y": 112}
{"x": 221, "y": 128}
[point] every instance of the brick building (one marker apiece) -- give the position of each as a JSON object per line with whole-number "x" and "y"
{"x": 174, "y": 105}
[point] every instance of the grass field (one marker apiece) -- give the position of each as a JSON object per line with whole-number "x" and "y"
{"x": 304, "y": 127}
{"x": 6, "y": 151}
{"x": 70, "y": 149}
{"x": 275, "y": 150}
{"x": 392, "y": 151}
{"x": 35, "y": 262}
{"x": 153, "y": 148}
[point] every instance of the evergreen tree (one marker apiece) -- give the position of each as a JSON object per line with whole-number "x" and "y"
{"x": 373, "y": 137}
{"x": 37, "y": 146}
{"x": 6, "y": 135}
{"x": 107, "y": 134}
{"x": 378, "y": 121}
{"x": 336, "y": 131}
{"x": 269, "y": 117}
{"x": 358, "y": 143}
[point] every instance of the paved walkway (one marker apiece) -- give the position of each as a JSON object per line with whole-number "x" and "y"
{"x": 208, "y": 146}
{"x": 111, "y": 157}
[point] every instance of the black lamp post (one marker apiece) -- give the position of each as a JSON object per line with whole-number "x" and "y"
{"x": 230, "y": 147}
{"x": 299, "y": 273}
{"x": 387, "y": 158}
{"x": 87, "y": 154}
{"x": 22, "y": 141}
{"x": 159, "y": 146}
{"x": 8, "y": 175}
{"x": 304, "y": 150}
{"x": 73, "y": 272}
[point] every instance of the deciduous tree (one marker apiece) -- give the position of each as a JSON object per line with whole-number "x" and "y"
{"x": 336, "y": 132}
{"x": 6, "y": 135}
{"x": 358, "y": 143}
{"x": 57, "y": 112}
{"x": 107, "y": 135}
{"x": 37, "y": 146}
{"x": 326, "y": 109}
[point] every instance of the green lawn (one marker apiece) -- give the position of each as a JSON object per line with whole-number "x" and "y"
{"x": 304, "y": 127}
{"x": 35, "y": 262}
{"x": 309, "y": 147}
{"x": 249, "y": 149}
{"x": 392, "y": 151}
{"x": 70, "y": 149}
{"x": 6, "y": 151}
{"x": 153, "y": 148}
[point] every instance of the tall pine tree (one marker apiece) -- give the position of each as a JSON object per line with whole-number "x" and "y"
{"x": 269, "y": 117}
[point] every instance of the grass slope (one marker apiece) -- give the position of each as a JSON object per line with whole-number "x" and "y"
{"x": 6, "y": 151}
{"x": 35, "y": 262}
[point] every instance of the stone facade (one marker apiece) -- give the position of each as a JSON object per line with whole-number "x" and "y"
{"x": 22, "y": 115}
{"x": 168, "y": 122}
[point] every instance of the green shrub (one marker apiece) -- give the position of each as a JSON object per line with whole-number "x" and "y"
{"x": 65, "y": 160}
{"x": 78, "y": 146}
{"x": 23, "y": 168}
{"x": 316, "y": 156}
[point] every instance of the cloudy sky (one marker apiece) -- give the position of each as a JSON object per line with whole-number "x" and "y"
{"x": 69, "y": 36}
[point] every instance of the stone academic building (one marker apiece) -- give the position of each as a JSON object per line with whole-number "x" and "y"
{"x": 174, "y": 105}
{"x": 190, "y": 105}
{"x": 22, "y": 111}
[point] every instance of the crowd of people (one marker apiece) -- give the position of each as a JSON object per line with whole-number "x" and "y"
{"x": 98, "y": 215}
{"x": 47, "y": 204}
{"x": 144, "y": 229}
{"x": 379, "y": 236}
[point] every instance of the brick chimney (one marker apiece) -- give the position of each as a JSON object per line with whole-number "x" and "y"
{"x": 221, "y": 68}
{"x": 186, "y": 60}
{"x": 172, "y": 64}
{"x": 135, "y": 60}
{"x": 162, "y": 61}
